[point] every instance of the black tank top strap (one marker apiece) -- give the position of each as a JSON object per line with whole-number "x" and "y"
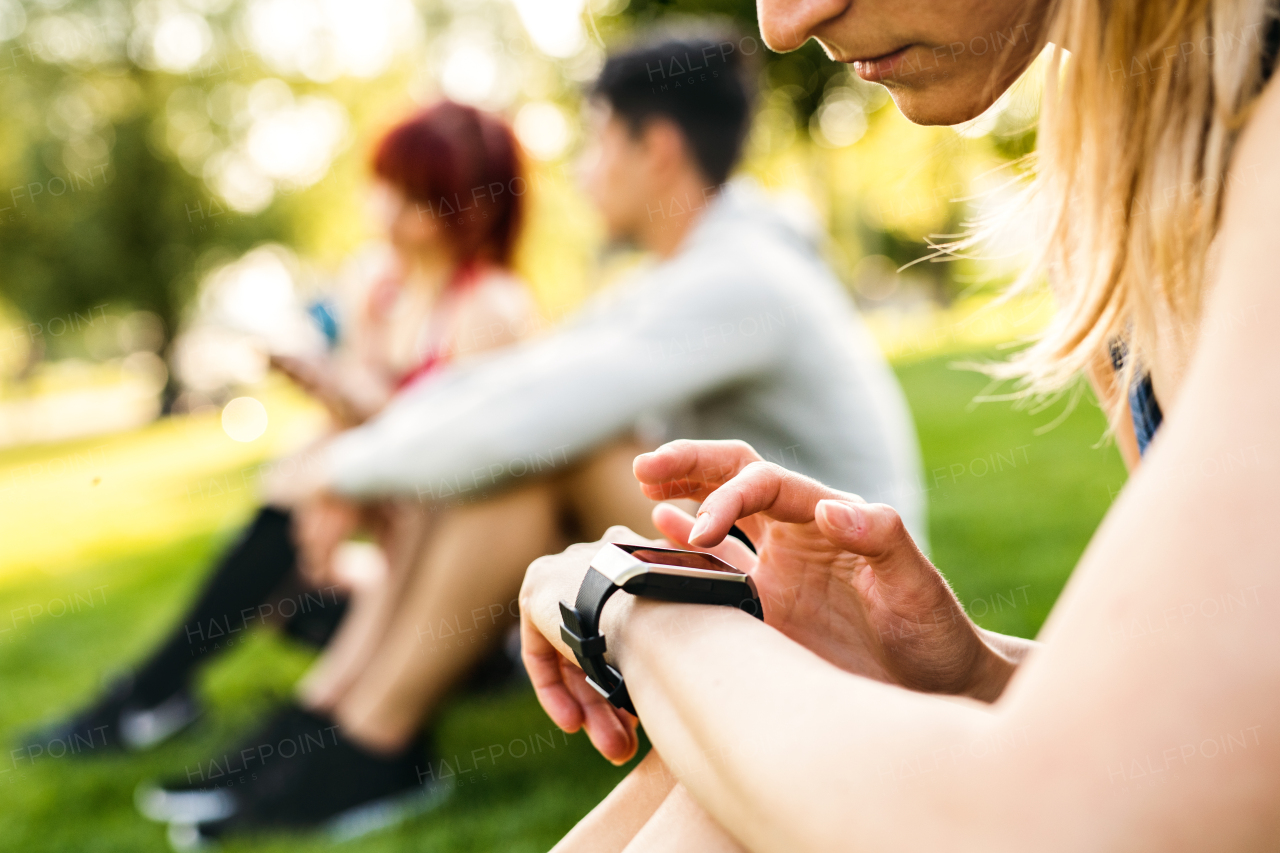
{"x": 1143, "y": 407}
{"x": 1271, "y": 45}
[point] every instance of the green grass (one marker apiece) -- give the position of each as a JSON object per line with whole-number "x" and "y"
{"x": 1011, "y": 511}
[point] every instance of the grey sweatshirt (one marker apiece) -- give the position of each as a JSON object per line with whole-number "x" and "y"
{"x": 745, "y": 334}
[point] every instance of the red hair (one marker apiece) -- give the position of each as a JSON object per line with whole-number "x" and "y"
{"x": 461, "y": 166}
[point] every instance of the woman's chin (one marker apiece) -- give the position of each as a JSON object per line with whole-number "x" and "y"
{"x": 939, "y": 104}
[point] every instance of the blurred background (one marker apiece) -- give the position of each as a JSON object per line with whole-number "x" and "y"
{"x": 182, "y": 183}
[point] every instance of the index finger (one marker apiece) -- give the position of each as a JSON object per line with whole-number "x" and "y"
{"x": 690, "y": 469}
{"x": 676, "y": 524}
{"x": 761, "y": 487}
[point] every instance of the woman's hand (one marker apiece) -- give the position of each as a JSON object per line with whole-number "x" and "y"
{"x": 320, "y": 525}
{"x": 323, "y": 379}
{"x": 836, "y": 574}
{"x": 561, "y": 686}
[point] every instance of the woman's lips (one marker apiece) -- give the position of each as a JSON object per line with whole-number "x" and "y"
{"x": 879, "y": 68}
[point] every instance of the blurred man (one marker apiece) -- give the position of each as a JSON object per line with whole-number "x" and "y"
{"x": 737, "y": 330}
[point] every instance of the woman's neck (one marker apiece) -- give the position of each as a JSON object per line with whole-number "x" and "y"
{"x": 429, "y": 270}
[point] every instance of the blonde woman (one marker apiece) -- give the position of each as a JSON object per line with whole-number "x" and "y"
{"x": 1143, "y": 720}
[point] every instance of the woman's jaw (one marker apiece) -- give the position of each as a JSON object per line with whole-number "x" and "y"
{"x": 932, "y": 87}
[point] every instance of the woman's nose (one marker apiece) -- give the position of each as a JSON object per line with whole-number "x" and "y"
{"x": 788, "y": 24}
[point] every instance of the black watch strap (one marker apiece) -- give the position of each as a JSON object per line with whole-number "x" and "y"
{"x": 581, "y": 632}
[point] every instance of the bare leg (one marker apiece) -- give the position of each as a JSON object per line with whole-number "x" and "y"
{"x": 456, "y": 606}
{"x": 611, "y": 825}
{"x": 373, "y": 601}
{"x": 680, "y": 824}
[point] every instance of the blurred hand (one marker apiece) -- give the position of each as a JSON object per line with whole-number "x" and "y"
{"x": 320, "y": 525}
{"x": 836, "y": 574}
{"x": 561, "y": 686}
{"x": 312, "y": 375}
{"x": 320, "y": 378}
{"x": 295, "y": 480}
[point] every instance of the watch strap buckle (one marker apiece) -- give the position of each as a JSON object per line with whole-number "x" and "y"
{"x": 583, "y": 647}
{"x": 618, "y": 695}
{"x": 590, "y": 654}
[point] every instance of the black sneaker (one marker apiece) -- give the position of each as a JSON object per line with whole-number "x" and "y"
{"x": 214, "y": 789}
{"x": 340, "y": 790}
{"x": 119, "y": 721}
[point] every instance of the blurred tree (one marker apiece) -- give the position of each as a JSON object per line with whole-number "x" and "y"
{"x": 806, "y": 71}
{"x": 92, "y": 211}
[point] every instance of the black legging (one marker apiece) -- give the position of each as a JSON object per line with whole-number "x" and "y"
{"x": 252, "y": 584}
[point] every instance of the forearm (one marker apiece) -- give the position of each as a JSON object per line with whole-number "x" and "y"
{"x": 442, "y": 452}
{"x": 695, "y": 675}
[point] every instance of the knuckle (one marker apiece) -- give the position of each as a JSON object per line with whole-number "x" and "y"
{"x": 761, "y": 470}
{"x": 758, "y": 467}
{"x": 678, "y": 446}
{"x": 618, "y": 532}
{"x": 892, "y": 520}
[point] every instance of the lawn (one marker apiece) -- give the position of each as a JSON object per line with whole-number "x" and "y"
{"x": 104, "y": 540}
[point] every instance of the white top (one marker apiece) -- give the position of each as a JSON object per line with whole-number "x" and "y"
{"x": 745, "y": 333}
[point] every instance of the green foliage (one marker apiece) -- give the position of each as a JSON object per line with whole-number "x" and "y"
{"x": 804, "y": 72}
{"x": 124, "y": 230}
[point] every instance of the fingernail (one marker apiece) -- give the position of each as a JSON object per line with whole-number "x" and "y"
{"x": 700, "y": 526}
{"x": 840, "y": 514}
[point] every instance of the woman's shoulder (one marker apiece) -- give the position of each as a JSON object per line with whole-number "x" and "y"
{"x": 499, "y": 309}
{"x": 503, "y": 293}
{"x": 1244, "y": 300}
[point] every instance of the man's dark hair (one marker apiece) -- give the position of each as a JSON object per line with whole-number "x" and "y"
{"x": 702, "y": 84}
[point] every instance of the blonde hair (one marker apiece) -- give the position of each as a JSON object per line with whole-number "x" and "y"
{"x": 1137, "y": 126}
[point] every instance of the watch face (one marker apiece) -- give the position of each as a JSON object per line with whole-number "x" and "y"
{"x": 684, "y": 559}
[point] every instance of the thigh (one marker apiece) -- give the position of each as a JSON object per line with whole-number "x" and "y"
{"x": 601, "y": 491}
{"x": 476, "y": 553}
{"x": 679, "y": 825}
{"x": 401, "y": 527}
{"x": 505, "y": 526}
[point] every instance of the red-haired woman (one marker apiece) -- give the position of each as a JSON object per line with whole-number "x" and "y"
{"x": 449, "y": 196}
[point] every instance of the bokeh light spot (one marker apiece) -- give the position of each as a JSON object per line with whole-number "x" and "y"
{"x": 244, "y": 419}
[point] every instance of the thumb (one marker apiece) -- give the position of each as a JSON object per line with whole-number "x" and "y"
{"x": 906, "y": 580}
{"x": 873, "y": 531}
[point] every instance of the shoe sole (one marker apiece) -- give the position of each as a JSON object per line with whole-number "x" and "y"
{"x": 142, "y": 729}
{"x": 386, "y": 812}
{"x": 191, "y": 807}
{"x": 354, "y": 823}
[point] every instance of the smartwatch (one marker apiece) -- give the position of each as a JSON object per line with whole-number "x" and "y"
{"x": 662, "y": 573}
